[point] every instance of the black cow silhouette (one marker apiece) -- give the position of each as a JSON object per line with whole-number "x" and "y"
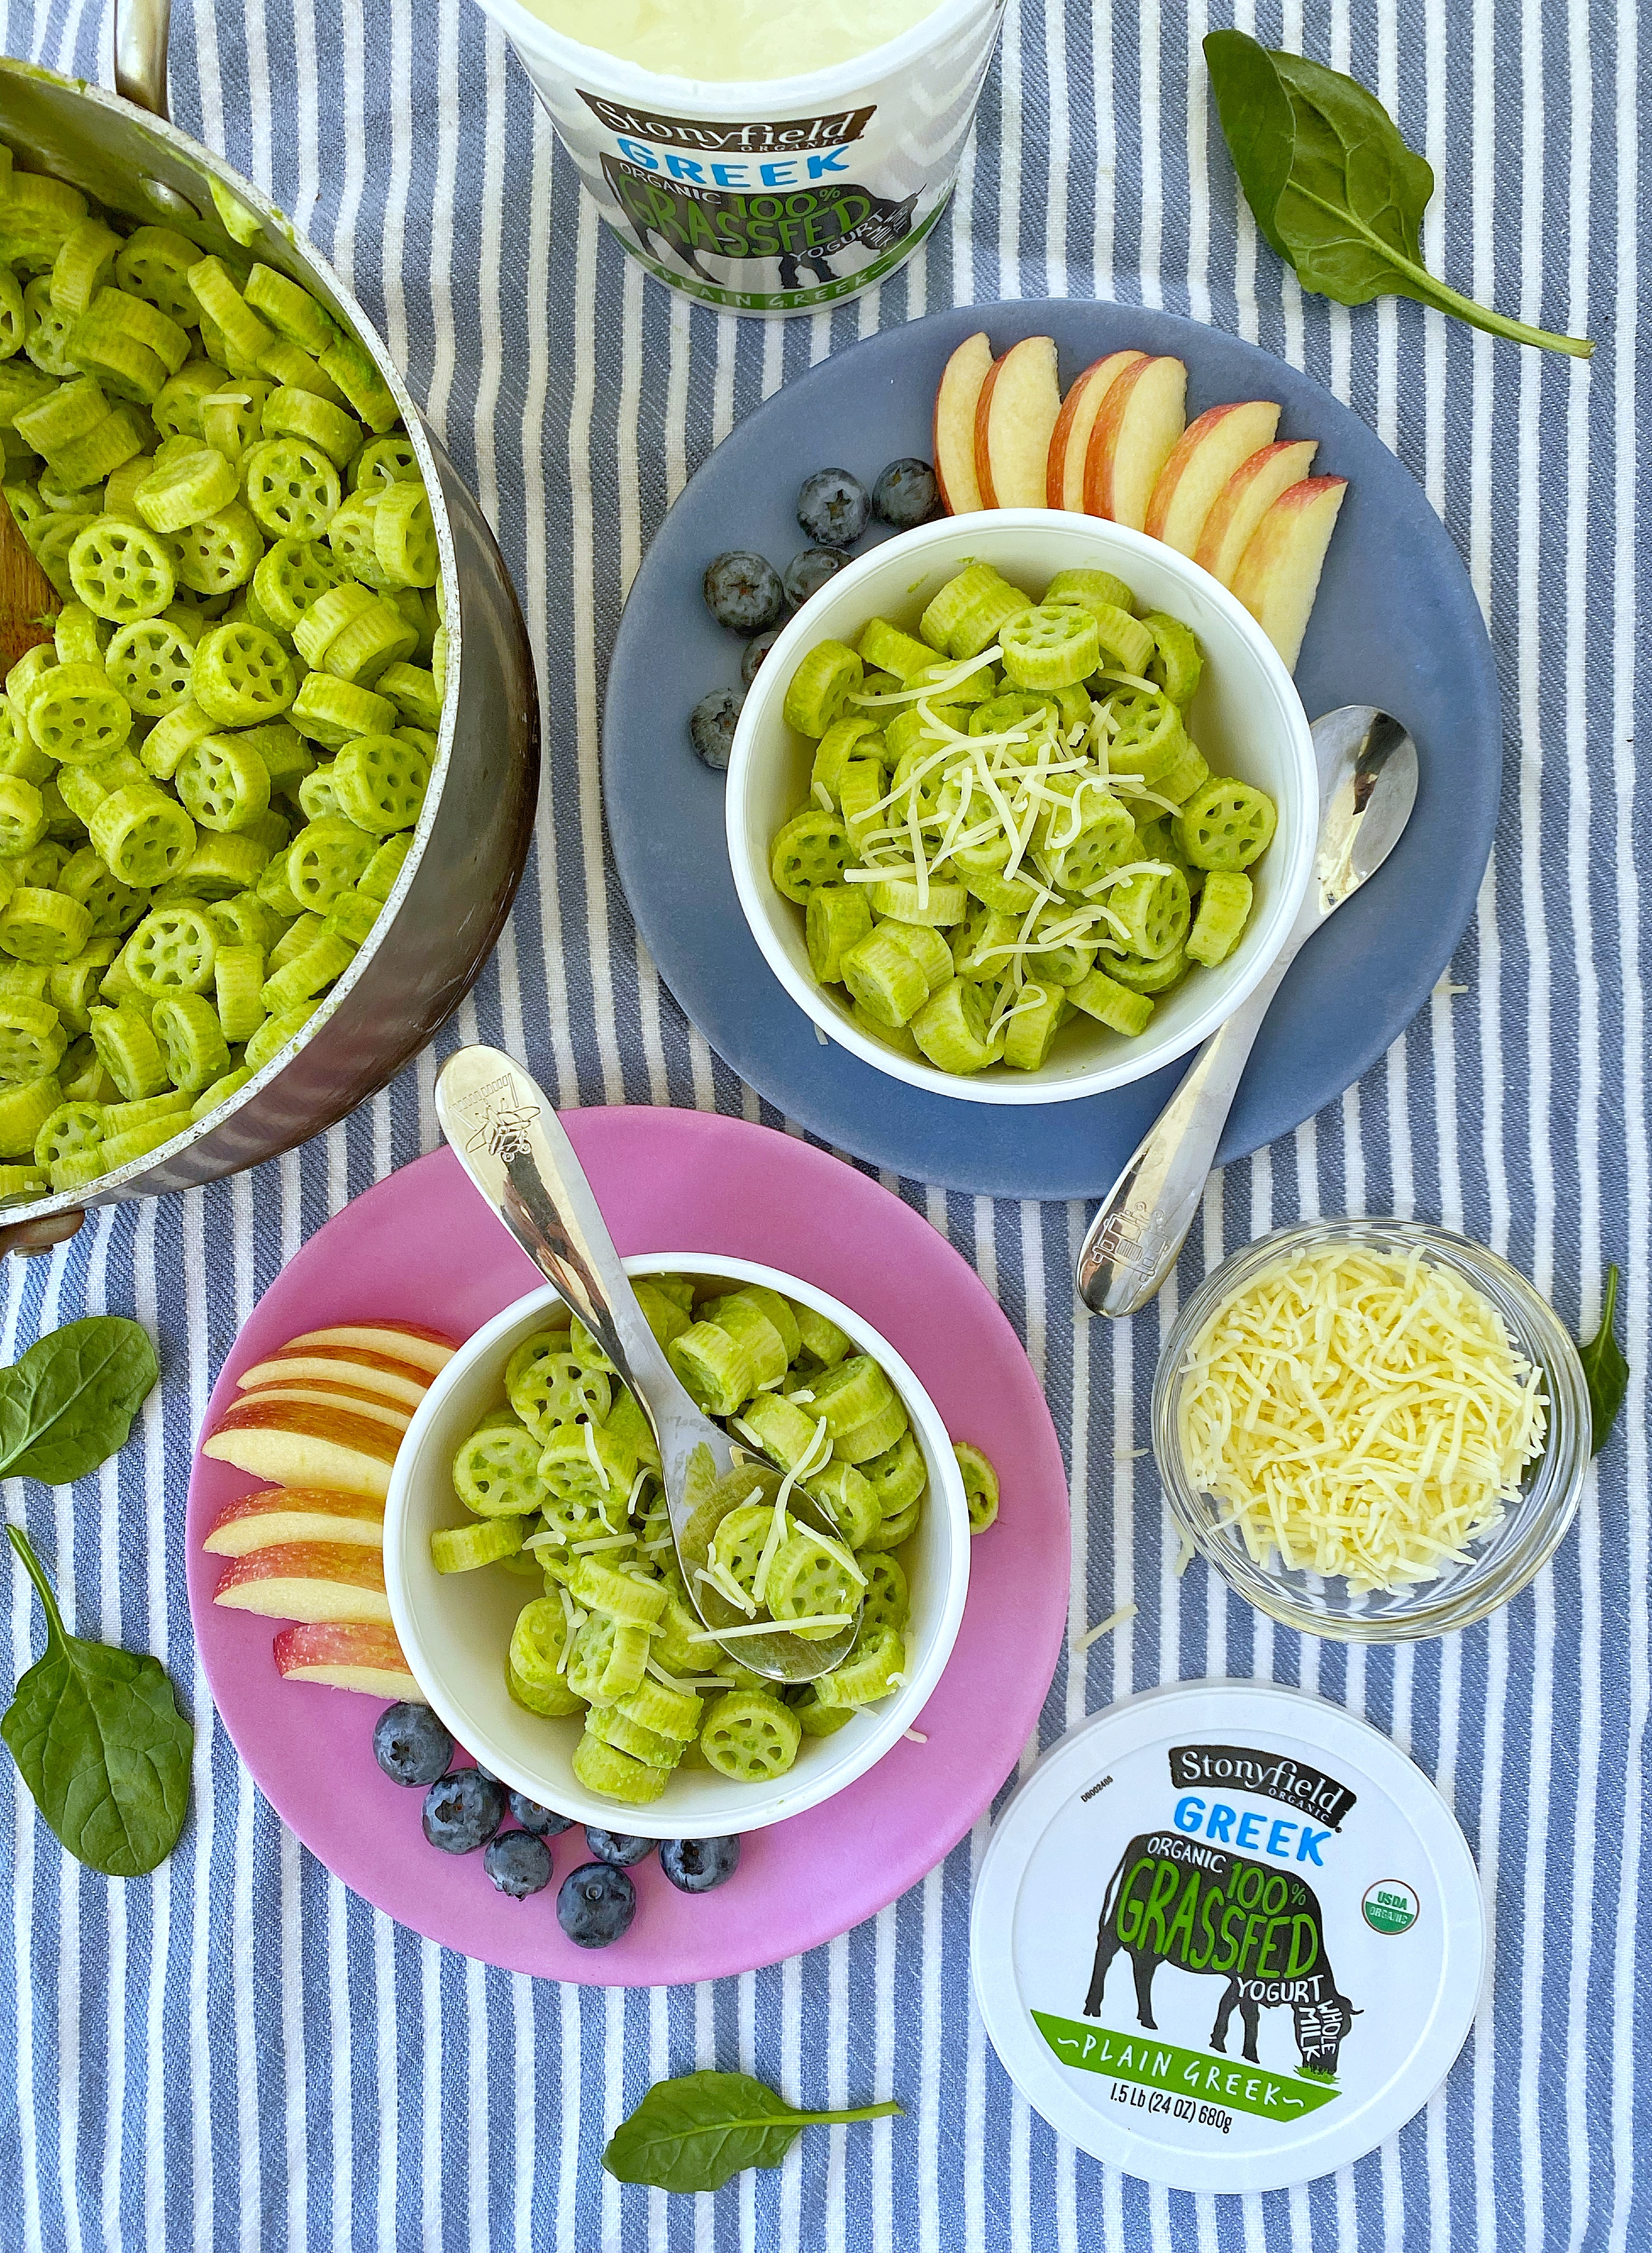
{"x": 1174, "y": 1900}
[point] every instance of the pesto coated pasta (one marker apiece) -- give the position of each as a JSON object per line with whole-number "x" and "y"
{"x": 210, "y": 777}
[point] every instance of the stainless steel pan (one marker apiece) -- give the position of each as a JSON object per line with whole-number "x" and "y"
{"x": 455, "y": 891}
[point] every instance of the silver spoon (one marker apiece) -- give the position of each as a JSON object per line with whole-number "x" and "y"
{"x": 510, "y": 1142}
{"x": 1367, "y": 785}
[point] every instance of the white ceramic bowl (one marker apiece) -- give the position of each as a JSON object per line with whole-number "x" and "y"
{"x": 1247, "y": 719}
{"x": 454, "y": 1627}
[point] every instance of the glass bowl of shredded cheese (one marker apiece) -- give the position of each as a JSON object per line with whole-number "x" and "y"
{"x": 1373, "y": 1429}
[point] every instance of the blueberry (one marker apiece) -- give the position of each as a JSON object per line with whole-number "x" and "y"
{"x": 756, "y": 651}
{"x": 463, "y": 1812}
{"x": 486, "y": 1774}
{"x": 619, "y": 1847}
{"x": 905, "y": 493}
{"x": 743, "y": 591}
{"x": 543, "y": 1821}
{"x": 410, "y": 1745}
{"x": 711, "y": 727}
{"x": 596, "y": 1905}
{"x": 833, "y": 508}
{"x": 809, "y": 570}
{"x": 694, "y": 1866}
{"x": 518, "y": 1863}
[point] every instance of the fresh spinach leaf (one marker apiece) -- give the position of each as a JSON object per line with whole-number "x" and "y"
{"x": 1605, "y": 1369}
{"x": 68, "y": 1403}
{"x": 1336, "y": 190}
{"x": 693, "y": 2133}
{"x": 97, "y": 1735}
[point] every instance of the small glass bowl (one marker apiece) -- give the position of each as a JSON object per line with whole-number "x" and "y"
{"x": 1499, "y": 1564}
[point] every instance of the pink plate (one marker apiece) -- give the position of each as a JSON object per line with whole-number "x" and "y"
{"x": 419, "y": 1247}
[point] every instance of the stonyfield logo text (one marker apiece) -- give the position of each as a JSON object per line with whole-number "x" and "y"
{"x": 1269, "y": 1774}
{"x": 786, "y": 137}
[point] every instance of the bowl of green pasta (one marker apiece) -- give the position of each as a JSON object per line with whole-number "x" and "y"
{"x": 541, "y": 1600}
{"x": 1020, "y": 805}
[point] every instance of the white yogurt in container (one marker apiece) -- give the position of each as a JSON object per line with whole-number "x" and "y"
{"x": 804, "y": 179}
{"x": 1227, "y": 1937}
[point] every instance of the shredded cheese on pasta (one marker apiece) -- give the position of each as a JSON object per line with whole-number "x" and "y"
{"x": 1362, "y": 1414}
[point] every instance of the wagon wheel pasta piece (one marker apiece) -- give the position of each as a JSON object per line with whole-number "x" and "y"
{"x": 69, "y": 1131}
{"x": 38, "y": 925}
{"x": 1226, "y": 825}
{"x": 308, "y": 974}
{"x": 291, "y": 577}
{"x": 290, "y": 310}
{"x": 214, "y": 290}
{"x": 325, "y": 618}
{"x": 112, "y": 905}
{"x": 413, "y": 690}
{"x": 293, "y": 411}
{"x": 73, "y": 987}
{"x": 176, "y": 413}
{"x": 292, "y": 488}
{"x": 351, "y": 365}
{"x": 1049, "y": 646}
{"x": 149, "y": 663}
{"x": 954, "y": 1028}
{"x": 129, "y": 1052}
{"x": 153, "y": 263}
{"x": 810, "y": 1578}
{"x": 812, "y": 849}
{"x": 175, "y": 734}
{"x": 223, "y": 782}
{"x": 404, "y": 537}
{"x": 379, "y": 784}
{"x": 1224, "y": 908}
{"x": 192, "y": 1040}
{"x": 62, "y": 415}
{"x": 1113, "y": 1004}
{"x": 46, "y": 331}
{"x": 750, "y": 1736}
{"x": 51, "y": 541}
{"x": 1149, "y": 737}
{"x": 1153, "y": 910}
{"x": 142, "y": 836}
{"x": 173, "y": 950}
{"x": 122, "y": 570}
{"x": 233, "y": 415}
{"x": 10, "y": 313}
{"x": 194, "y": 484}
{"x": 32, "y": 1038}
{"x": 241, "y": 676}
{"x": 817, "y": 690}
{"x": 22, "y": 818}
{"x": 385, "y": 462}
{"x": 25, "y": 1109}
{"x": 324, "y": 859}
{"x": 77, "y": 716}
{"x": 378, "y": 636}
{"x": 221, "y": 553}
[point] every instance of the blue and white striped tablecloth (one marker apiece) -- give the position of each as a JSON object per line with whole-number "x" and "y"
{"x": 237, "y": 2052}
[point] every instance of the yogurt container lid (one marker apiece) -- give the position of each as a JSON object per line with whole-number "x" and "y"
{"x": 1227, "y": 1936}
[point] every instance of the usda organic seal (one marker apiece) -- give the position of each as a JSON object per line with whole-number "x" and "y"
{"x": 1190, "y": 1951}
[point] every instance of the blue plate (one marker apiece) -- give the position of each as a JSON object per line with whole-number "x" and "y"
{"x": 1396, "y": 625}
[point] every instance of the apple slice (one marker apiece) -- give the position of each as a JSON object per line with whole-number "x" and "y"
{"x": 295, "y": 1513}
{"x": 954, "y": 443}
{"x": 1200, "y": 464}
{"x": 1070, "y": 440}
{"x": 400, "y": 1381}
{"x": 1246, "y": 500}
{"x": 1279, "y": 574}
{"x": 1015, "y": 418}
{"x": 1141, "y": 417}
{"x": 348, "y": 1656}
{"x": 372, "y": 1405}
{"x": 314, "y": 1580}
{"x": 294, "y": 1443}
{"x": 408, "y": 1342}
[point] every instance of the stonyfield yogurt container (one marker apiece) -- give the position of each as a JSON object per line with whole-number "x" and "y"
{"x": 1227, "y": 1937}
{"x": 762, "y": 194}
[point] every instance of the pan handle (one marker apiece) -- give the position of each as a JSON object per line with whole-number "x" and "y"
{"x": 141, "y": 28}
{"x": 27, "y": 1237}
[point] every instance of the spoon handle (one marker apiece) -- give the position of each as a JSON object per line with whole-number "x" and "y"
{"x": 1143, "y": 1221}
{"x": 509, "y": 1140}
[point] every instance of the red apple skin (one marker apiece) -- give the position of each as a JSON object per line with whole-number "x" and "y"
{"x": 1102, "y": 475}
{"x": 955, "y": 400}
{"x": 347, "y": 1656}
{"x": 331, "y": 1581}
{"x": 1037, "y": 353}
{"x": 1279, "y": 574}
{"x": 1083, "y": 399}
{"x": 373, "y": 1405}
{"x": 296, "y": 1444}
{"x": 410, "y": 1341}
{"x": 1225, "y": 435}
{"x": 284, "y": 1514}
{"x": 1268, "y": 472}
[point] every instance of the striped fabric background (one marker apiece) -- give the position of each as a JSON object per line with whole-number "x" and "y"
{"x": 239, "y": 2054}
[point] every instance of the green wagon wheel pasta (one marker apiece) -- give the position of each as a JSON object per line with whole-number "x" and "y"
{"x": 173, "y": 950}
{"x": 377, "y": 637}
{"x": 812, "y": 849}
{"x": 292, "y": 488}
{"x": 22, "y": 818}
{"x": 32, "y": 1038}
{"x": 149, "y": 664}
{"x": 221, "y": 302}
{"x": 816, "y": 692}
{"x": 172, "y": 735}
{"x": 1227, "y": 825}
{"x": 466, "y": 1548}
{"x": 1153, "y": 910}
{"x": 324, "y": 859}
{"x": 69, "y": 1131}
{"x": 385, "y": 462}
{"x": 413, "y": 690}
{"x": 325, "y": 618}
{"x": 1050, "y": 648}
{"x": 887, "y": 1601}
{"x": 1177, "y": 661}
{"x": 1149, "y": 737}
{"x": 1224, "y": 908}
{"x": 219, "y": 1093}
{"x": 115, "y": 312}
{"x": 125, "y": 366}
{"x": 952, "y": 1028}
{"x": 333, "y": 712}
{"x": 46, "y": 333}
{"x": 52, "y": 542}
{"x": 750, "y": 1736}
{"x": 189, "y": 486}
{"x": 63, "y": 414}
{"x": 1114, "y": 1004}
{"x": 980, "y": 1485}
{"x": 496, "y": 1472}
{"x": 232, "y": 416}
{"x": 38, "y": 925}
{"x": 72, "y": 987}
{"x": 220, "y": 553}
{"x": 293, "y": 411}
{"x": 192, "y": 1041}
{"x": 153, "y": 263}
{"x": 837, "y": 917}
{"x": 291, "y": 576}
{"x": 112, "y": 905}
{"x": 379, "y": 784}
{"x": 241, "y": 676}
{"x": 122, "y": 570}
{"x": 129, "y": 1051}
{"x": 869, "y": 1671}
{"x": 308, "y": 974}
{"x": 23, "y": 1110}
{"x": 404, "y": 537}
{"x": 351, "y": 365}
{"x": 76, "y": 716}
{"x": 142, "y": 836}
{"x": 238, "y": 978}
{"x": 1137, "y": 975}
{"x": 290, "y": 310}
{"x": 223, "y": 782}
{"x": 809, "y": 1579}
{"x": 78, "y": 637}
{"x": 10, "y": 313}
{"x": 176, "y": 413}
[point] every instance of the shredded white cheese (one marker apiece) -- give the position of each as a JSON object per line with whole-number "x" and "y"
{"x": 771, "y": 1627}
{"x": 1364, "y": 1415}
{"x": 1105, "y": 1626}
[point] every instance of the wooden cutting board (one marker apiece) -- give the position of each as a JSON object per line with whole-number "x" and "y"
{"x": 27, "y": 596}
